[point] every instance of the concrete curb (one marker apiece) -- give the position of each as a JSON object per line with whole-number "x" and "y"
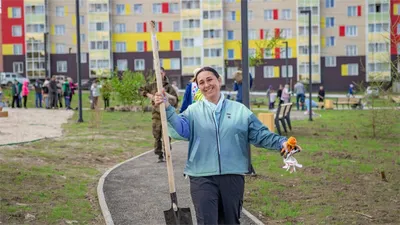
{"x": 102, "y": 201}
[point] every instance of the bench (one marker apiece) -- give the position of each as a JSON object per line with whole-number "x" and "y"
{"x": 282, "y": 116}
{"x": 396, "y": 99}
{"x": 320, "y": 105}
{"x": 350, "y": 102}
{"x": 258, "y": 103}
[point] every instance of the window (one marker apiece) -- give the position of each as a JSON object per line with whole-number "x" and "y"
{"x": 398, "y": 49}
{"x": 351, "y": 31}
{"x": 157, "y": 8}
{"x": 60, "y": 11}
{"x": 35, "y": 28}
{"x": 191, "y": 23}
{"x": 83, "y": 57}
{"x": 396, "y": 6}
{"x": 252, "y": 34}
{"x": 175, "y": 64}
{"x": 213, "y": 14}
{"x": 398, "y": 29}
{"x": 120, "y": 9}
{"x": 330, "y": 41}
{"x": 352, "y": 11}
{"x": 330, "y": 22}
{"x": 268, "y": 53}
{"x": 212, "y": 52}
{"x": 303, "y": 31}
{"x": 103, "y": 64}
{"x": 120, "y": 28}
{"x": 139, "y": 64}
{"x": 82, "y": 20}
{"x": 98, "y": 7}
{"x": 176, "y": 45}
{"x": 120, "y": 47}
{"x": 290, "y": 69}
{"x": 212, "y": 33}
{"x": 176, "y": 26}
{"x": 138, "y": 8}
{"x": 378, "y": 47}
{"x": 188, "y": 42}
{"x": 140, "y": 46}
{"x": 190, "y": 4}
{"x": 330, "y": 61}
{"x": 268, "y": 71}
{"x": 139, "y": 27}
{"x": 378, "y": 8}
{"x": 304, "y": 68}
{"x": 283, "y": 52}
{"x": 268, "y": 34}
{"x": 60, "y": 48}
{"x": 352, "y": 69}
{"x": 231, "y": 16}
{"x": 122, "y": 64}
{"x": 268, "y": 14}
{"x": 173, "y": 7}
{"x": 15, "y": 12}
{"x": 16, "y": 31}
{"x": 99, "y": 45}
{"x": 351, "y": 50}
{"x": 250, "y": 15}
{"x": 286, "y": 14}
{"x": 33, "y": 9}
{"x": 191, "y": 61}
{"x": 231, "y": 72}
{"x": 314, "y": 10}
{"x": 18, "y": 67}
{"x": 329, "y": 3}
{"x": 98, "y": 26}
{"x": 83, "y": 38}
{"x": 61, "y": 66}
{"x": 303, "y": 50}
{"x": 286, "y": 33}
{"x": 231, "y": 53}
{"x": 378, "y": 67}
{"x": 378, "y": 27}
{"x": 60, "y": 29}
{"x": 17, "y": 49}
{"x": 230, "y": 35}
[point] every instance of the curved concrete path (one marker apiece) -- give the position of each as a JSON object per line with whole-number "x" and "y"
{"x": 136, "y": 191}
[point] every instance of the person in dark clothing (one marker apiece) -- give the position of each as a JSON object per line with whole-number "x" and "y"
{"x": 321, "y": 94}
{"x": 279, "y": 94}
{"x": 45, "y": 93}
{"x": 15, "y": 94}
{"x": 59, "y": 94}
{"x": 38, "y": 93}
{"x": 53, "y": 93}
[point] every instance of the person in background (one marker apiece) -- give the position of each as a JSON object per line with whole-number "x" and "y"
{"x": 300, "y": 94}
{"x": 95, "y": 89}
{"x": 38, "y": 93}
{"x": 25, "y": 92}
{"x": 237, "y": 86}
{"x": 45, "y": 93}
{"x": 15, "y": 94}
{"x": 313, "y": 105}
{"x": 66, "y": 93}
{"x": 279, "y": 94}
{"x": 321, "y": 94}
{"x": 190, "y": 92}
{"x": 269, "y": 92}
{"x": 217, "y": 161}
{"x": 175, "y": 86}
{"x": 53, "y": 101}
{"x": 72, "y": 87}
{"x": 106, "y": 90}
{"x": 285, "y": 94}
{"x": 351, "y": 91}
{"x": 59, "y": 93}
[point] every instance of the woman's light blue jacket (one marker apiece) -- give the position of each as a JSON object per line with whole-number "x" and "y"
{"x": 218, "y": 136}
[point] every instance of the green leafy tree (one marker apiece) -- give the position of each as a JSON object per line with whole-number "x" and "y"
{"x": 126, "y": 87}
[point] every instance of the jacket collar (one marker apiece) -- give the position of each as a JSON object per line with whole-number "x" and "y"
{"x": 217, "y": 108}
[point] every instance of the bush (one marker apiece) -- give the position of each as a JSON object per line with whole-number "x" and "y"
{"x": 126, "y": 87}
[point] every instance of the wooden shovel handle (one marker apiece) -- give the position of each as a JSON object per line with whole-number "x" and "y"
{"x": 163, "y": 114}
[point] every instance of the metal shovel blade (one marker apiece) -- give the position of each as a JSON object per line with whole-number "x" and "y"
{"x": 181, "y": 217}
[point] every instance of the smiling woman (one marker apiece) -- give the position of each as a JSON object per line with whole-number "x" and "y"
{"x": 219, "y": 132}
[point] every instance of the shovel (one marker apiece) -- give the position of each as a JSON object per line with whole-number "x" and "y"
{"x": 175, "y": 215}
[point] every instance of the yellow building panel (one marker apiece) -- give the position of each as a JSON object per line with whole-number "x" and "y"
{"x": 73, "y": 20}
{"x": 128, "y": 9}
{"x": 53, "y": 48}
{"x": 166, "y": 63}
{"x": 53, "y": 30}
{"x": 188, "y": 70}
{"x": 316, "y": 78}
{"x": 8, "y": 49}
{"x": 323, "y": 42}
{"x": 215, "y": 5}
{"x": 98, "y": 17}
{"x": 323, "y": 22}
{"x": 131, "y": 39}
{"x": 276, "y": 71}
{"x": 396, "y": 9}
{"x": 191, "y": 13}
{"x": 99, "y": 54}
{"x": 74, "y": 41}
{"x": 345, "y": 70}
{"x": 379, "y": 37}
{"x": 379, "y": 57}
{"x": 238, "y": 15}
{"x": 36, "y": 36}
{"x": 9, "y": 12}
{"x": 214, "y": 24}
{"x": 66, "y": 10}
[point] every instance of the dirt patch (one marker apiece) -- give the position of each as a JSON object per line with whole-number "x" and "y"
{"x": 23, "y": 125}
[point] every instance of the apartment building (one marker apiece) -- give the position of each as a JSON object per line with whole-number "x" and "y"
{"x": 352, "y": 41}
{"x": 1, "y": 43}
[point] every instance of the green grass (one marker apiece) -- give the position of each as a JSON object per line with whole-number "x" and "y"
{"x": 55, "y": 180}
{"x": 340, "y": 174}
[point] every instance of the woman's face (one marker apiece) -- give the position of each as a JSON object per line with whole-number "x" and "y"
{"x": 209, "y": 84}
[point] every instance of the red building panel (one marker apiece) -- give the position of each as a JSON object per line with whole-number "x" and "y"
{"x": 261, "y": 34}
{"x": 395, "y": 19}
{"x": 342, "y": 31}
{"x": 7, "y": 22}
{"x": 165, "y": 7}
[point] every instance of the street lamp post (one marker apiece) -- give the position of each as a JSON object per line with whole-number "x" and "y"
{"x": 286, "y": 62}
{"x": 309, "y": 60}
{"x": 78, "y": 60}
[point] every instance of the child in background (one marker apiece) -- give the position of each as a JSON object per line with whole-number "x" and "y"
{"x": 25, "y": 92}
{"x": 95, "y": 90}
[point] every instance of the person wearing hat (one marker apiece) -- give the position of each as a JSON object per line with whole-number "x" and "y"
{"x": 192, "y": 93}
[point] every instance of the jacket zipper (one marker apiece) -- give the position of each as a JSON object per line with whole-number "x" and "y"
{"x": 219, "y": 149}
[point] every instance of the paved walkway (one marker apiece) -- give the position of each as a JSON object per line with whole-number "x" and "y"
{"x": 136, "y": 192}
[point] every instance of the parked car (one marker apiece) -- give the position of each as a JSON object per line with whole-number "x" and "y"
{"x": 7, "y": 79}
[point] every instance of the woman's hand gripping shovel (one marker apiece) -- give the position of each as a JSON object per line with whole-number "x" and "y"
{"x": 175, "y": 215}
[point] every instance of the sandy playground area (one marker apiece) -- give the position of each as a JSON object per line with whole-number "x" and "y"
{"x": 24, "y": 125}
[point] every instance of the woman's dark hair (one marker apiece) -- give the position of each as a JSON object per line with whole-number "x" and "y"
{"x": 209, "y": 69}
